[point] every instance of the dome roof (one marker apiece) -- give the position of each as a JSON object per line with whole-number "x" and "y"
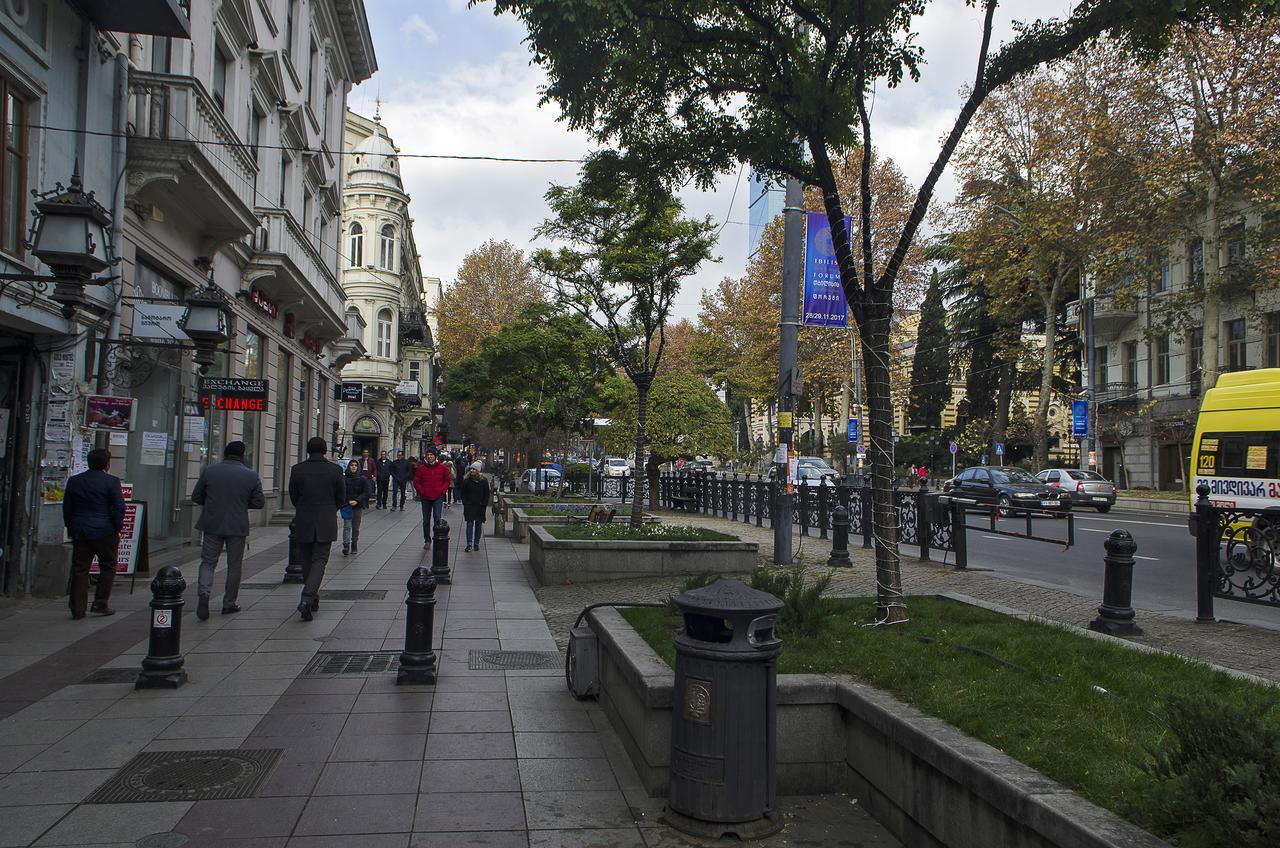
{"x": 375, "y": 161}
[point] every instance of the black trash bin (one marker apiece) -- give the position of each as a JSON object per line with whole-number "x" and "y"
{"x": 724, "y": 710}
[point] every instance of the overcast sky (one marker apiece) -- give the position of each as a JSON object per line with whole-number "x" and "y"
{"x": 454, "y": 80}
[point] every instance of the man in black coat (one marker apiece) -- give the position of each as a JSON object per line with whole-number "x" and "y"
{"x": 226, "y": 491}
{"x": 401, "y": 473}
{"x": 93, "y": 510}
{"x": 317, "y": 493}
{"x": 384, "y": 478}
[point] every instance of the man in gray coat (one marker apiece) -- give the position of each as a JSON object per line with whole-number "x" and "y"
{"x": 317, "y": 492}
{"x": 227, "y": 491}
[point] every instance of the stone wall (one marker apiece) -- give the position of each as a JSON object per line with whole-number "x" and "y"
{"x": 559, "y": 561}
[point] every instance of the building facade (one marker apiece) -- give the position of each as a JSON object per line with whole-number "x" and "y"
{"x": 386, "y": 401}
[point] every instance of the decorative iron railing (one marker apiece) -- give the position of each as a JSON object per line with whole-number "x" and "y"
{"x": 1237, "y": 554}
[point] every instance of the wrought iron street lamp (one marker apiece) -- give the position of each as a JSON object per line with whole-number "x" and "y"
{"x": 207, "y": 321}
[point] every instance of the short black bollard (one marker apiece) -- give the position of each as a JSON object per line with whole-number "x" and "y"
{"x": 293, "y": 570}
{"x": 1115, "y": 616}
{"x": 162, "y": 666}
{"x": 440, "y": 552}
{"x": 839, "y": 537}
{"x": 418, "y": 662}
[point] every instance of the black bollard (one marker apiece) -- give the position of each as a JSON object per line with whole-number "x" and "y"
{"x": 839, "y": 537}
{"x": 162, "y": 666}
{"x": 440, "y": 553}
{"x": 1115, "y": 616}
{"x": 293, "y": 570}
{"x": 418, "y": 662}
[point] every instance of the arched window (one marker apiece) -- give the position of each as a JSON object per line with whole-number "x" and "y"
{"x": 384, "y": 334}
{"x": 387, "y": 248}
{"x": 356, "y": 253}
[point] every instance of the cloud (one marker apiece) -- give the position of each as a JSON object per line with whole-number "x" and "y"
{"x": 416, "y": 26}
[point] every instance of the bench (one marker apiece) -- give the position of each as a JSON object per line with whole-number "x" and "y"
{"x": 687, "y": 502}
{"x": 598, "y": 515}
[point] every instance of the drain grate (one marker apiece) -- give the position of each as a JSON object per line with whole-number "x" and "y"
{"x": 188, "y": 776}
{"x": 480, "y": 660}
{"x": 112, "y": 675}
{"x": 341, "y": 663}
{"x": 354, "y": 595}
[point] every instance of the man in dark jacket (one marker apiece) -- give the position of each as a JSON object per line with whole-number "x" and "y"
{"x": 401, "y": 474}
{"x": 317, "y": 493}
{"x": 93, "y": 511}
{"x": 227, "y": 491}
{"x": 384, "y": 479}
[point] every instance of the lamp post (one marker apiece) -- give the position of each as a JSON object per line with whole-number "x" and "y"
{"x": 207, "y": 321}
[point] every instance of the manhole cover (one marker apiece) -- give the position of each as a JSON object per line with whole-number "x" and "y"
{"x": 336, "y": 663}
{"x": 512, "y": 660}
{"x": 113, "y": 675}
{"x": 188, "y": 776}
{"x": 354, "y": 594}
{"x": 163, "y": 840}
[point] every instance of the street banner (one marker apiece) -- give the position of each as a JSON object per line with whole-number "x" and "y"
{"x": 824, "y": 304}
{"x": 853, "y": 430}
{"x": 1080, "y": 419}
{"x": 108, "y": 412}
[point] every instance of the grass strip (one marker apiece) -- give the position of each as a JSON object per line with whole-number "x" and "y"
{"x": 647, "y": 533}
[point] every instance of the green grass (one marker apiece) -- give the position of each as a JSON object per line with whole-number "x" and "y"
{"x": 570, "y": 509}
{"x": 1083, "y": 712}
{"x": 647, "y": 533}
{"x": 1151, "y": 494}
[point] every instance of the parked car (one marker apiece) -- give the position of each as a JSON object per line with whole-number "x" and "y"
{"x": 1007, "y": 488}
{"x": 813, "y": 471}
{"x": 1083, "y": 488}
{"x": 614, "y": 466}
{"x": 529, "y": 480}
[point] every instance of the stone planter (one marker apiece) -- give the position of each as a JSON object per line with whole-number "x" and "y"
{"x": 502, "y": 518}
{"x": 559, "y": 561}
{"x": 520, "y": 521}
{"x": 923, "y": 779}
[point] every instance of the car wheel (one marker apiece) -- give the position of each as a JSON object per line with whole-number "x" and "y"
{"x": 1005, "y": 507}
{"x": 1104, "y": 509}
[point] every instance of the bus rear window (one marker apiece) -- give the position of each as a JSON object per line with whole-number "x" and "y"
{"x": 1253, "y": 455}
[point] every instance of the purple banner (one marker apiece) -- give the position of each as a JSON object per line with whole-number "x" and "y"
{"x": 824, "y": 304}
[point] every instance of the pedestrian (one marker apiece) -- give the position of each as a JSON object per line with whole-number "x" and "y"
{"x": 367, "y": 466}
{"x": 475, "y": 497}
{"x": 924, "y": 476}
{"x": 226, "y": 491}
{"x": 401, "y": 474}
{"x": 358, "y": 490}
{"x": 446, "y": 459}
{"x": 431, "y": 481}
{"x": 460, "y": 465}
{"x": 384, "y": 478}
{"x": 913, "y": 476}
{"x": 93, "y": 512}
{"x": 317, "y": 492}
{"x": 414, "y": 462}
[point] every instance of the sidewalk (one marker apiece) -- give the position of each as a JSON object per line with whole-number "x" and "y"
{"x": 484, "y": 758}
{"x": 1253, "y": 650}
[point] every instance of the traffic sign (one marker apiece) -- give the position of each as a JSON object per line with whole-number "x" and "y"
{"x": 955, "y": 449}
{"x": 999, "y": 448}
{"x": 862, "y": 450}
{"x": 854, "y": 425}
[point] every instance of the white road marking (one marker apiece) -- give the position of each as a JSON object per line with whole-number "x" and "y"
{"x": 1126, "y": 521}
{"x": 1008, "y": 539}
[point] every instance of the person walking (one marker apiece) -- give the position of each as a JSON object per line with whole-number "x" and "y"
{"x": 460, "y": 465}
{"x": 475, "y": 497}
{"x": 93, "y": 512}
{"x": 359, "y": 490}
{"x": 317, "y": 492}
{"x": 431, "y": 481}
{"x": 383, "y": 466}
{"x": 226, "y": 491}
{"x": 401, "y": 474}
{"x": 924, "y": 476}
{"x": 367, "y": 466}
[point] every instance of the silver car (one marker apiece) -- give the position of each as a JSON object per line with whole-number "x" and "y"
{"x": 1084, "y": 488}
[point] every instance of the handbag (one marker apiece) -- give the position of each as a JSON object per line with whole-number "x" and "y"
{"x": 345, "y": 512}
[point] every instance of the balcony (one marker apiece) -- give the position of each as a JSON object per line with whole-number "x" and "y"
{"x": 288, "y": 268}
{"x": 143, "y": 17}
{"x": 350, "y": 347}
{"x": 1109, "y": 393}
{"x": 413, "y": 328}
{"x": 1112, "y": 314}
{"x": 184, "y": 157}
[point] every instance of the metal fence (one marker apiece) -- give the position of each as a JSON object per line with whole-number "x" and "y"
{"x": 1237, "y": 554}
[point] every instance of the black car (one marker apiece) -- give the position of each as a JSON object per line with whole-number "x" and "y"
{"x": 1011, "y": 489}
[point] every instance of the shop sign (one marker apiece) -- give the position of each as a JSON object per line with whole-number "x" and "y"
{"x": 312, "y": 344}
{"x": 408, "y": 387}
{"x": 158, "y": 321}
{"x": 132, "y": 537}
{"x": 233, "y": 394}
{"x": 107, "y": 412}
{"x": 352, "y": 393}
{"x": 367, "y": 426}
{"x": 264, "y": 303}
{"x": 290, "y": 325}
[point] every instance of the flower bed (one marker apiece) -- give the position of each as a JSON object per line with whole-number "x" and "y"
{"x": 585, "y": 553}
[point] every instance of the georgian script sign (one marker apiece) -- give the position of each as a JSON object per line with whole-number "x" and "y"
{"x": 264, "y": 303}
{"x": 246, "y": 394}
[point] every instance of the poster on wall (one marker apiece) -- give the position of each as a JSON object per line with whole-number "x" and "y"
{"x": 154, "y": 447}
{"x": 53, "y": 486}
{"x": 79, "y": 455}
{"x": 193, "y": 423}
{"x": 132, "y": 539}
{"x": 106, "y": 412}
{"x": 57, "y": 422}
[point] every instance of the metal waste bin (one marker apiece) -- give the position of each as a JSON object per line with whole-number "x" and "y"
{"x": 724, "y": 713}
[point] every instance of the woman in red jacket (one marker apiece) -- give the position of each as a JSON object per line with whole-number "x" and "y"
{"x": 431, "y": 480}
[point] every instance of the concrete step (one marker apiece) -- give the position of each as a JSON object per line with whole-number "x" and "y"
{"x": 280, "y": 518}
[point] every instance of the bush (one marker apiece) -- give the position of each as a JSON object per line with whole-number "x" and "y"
{"x": 1218, "y": 773}
{"x": 803, "y": 607}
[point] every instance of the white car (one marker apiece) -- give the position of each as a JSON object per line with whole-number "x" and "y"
{"x": 614, "y": 466}
{"x": 529, "y": 483}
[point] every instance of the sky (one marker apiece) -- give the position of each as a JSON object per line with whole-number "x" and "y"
{"x": 454, "y": 80}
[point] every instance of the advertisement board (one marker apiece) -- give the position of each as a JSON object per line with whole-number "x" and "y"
{"x": 824, "y": 303}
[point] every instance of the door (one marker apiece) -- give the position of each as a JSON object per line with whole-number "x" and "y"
{"x": 1112, "y": 464}
{"x": 364, "y": 443}
{"x": 10, "y": 497}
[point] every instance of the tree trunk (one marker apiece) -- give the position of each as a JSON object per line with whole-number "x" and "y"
{"x": 642, "y": 418}
{"x": 884, "y": 520}
{"x": 1040, "y": 429}
{"x": 1212, "y": 320}
{"x": 652, "y": 467}
{"x": 1004, "y": 398}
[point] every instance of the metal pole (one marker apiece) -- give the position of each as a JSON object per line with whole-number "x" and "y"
{"x": 789, "y": 326}
{"x": 1091, "y": 417}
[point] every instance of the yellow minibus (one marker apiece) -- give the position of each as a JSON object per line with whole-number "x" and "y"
{"x": 1237, "y": 442}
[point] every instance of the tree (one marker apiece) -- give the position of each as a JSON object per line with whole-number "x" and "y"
{"x": 538, "y": 373}
{"x": 678, "y": 358}
{"x": 698, "y": 87}
{"x": 685, "y": 419}
{"x": 494, "y": 284}
{"x": 633, "y": 247}
{"x": 931, "y": 365}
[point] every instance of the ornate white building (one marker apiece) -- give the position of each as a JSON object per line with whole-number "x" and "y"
{"x": 386, "y": 400}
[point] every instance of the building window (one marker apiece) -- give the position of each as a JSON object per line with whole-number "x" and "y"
{"x": 13, "y": 177}
{"x": 415, "y": 372}
{"x": 252, "y": 367}
{"x": 312, "y": 67}
{"x": 384, "y": 334}
{"x": 285, "y": 164}
{"x": 1195, "y": 359}
{"x": 1164, "y": 281}
{"x": 290, "y": 13}
{"x": 1100, "y": 368}
{"x": 387, "y": 248}
{"x": 254, "y": 132}
{"x": 1131, "y": 365}
{"x": 1235, "y": 345}
{"x": 356, "y": 251}
{"x": 161, "y": 54}
{"x": 220, "y": 63}
{"x": 1162, "y": 360}
{"x": 1273, "y": 339}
